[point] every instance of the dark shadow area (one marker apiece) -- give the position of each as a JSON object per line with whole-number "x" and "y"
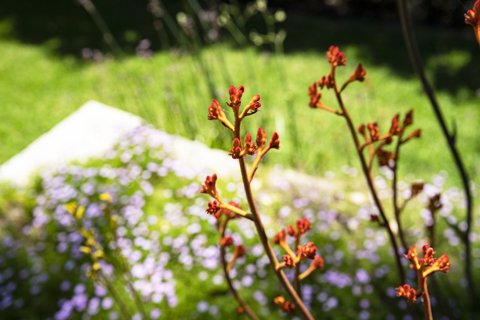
{"x": 67, "y": 28}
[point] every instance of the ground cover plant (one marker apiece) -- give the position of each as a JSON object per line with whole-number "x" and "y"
{"x": 171, "y": 243}
{"x": 130, "y": 235}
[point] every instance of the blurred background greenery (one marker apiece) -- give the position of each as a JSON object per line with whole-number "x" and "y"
{"x": 166, "y": 61}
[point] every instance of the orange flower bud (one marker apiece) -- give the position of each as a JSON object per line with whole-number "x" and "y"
{"x": 210, "y": 185}
{"x": 289, "y": 262}
{"x": 408, "y": 118}
{"x": 239, "y": 251}
{"x": 442, "y": 264}
{"x": 303, "y": 225}
{"x": 317, "y": 263}
{"x": 361, "y": 129}
{"x": 240, "y": 310}
{"x": 292, "y": 232}
{"x": 330, "y": 83}
{"x": 279, "y": 301}
{"x": 309, "y": 251}
{"x": 235, "y": 96}
{"x": 275, "y": 141}
{"x": 428, "y": 253}
{"x": 415, "y": 134}
{"x": 412, "y": 253}
{"x": 407, "y": 292}
{"x": 288, "y": 307}
{"x": 322, "y": 82}
{"x": 335, "y": 57}
{"x": 312, "y": 90}
{"x": 373, "y": 129}
{"x": 280, "y": 237}
{"x": 214, "y": 111}
{"x": 358, "y": 75}
{"x": 250, "y": 147}
{"x": 261, "y": 137}
{"x": 226, "y": 241}
{"x": 213, "y": 207}
{"x": 236, "y": 151}
{"x": 395, "y": 128}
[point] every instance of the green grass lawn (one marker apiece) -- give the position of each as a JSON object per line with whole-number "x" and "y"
{"x": 39, "y": 88}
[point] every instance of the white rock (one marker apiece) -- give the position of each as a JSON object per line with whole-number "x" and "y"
{"x": 88, "y": 132}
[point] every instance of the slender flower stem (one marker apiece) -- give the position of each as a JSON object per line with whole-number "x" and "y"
{"x": 305, "y": 314}
{"x": 427, "y": 309}
{"x": 368, "y": 176}
{"x": 395, "y": 192}
{"x": 417, "y": 64}
{"x": 296, "y": 282}
{"x": 246, "y": 308}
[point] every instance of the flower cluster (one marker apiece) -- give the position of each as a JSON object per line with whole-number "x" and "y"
{"x": 307, "y": 251}
{"x": 424, "y": 267}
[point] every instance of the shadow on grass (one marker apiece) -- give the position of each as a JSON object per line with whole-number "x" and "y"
{"x": 67, "y": 28}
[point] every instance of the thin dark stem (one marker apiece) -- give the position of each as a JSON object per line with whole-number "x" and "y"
{"x": 305, "y": 314}
{"x": 395, "y": 192}
{"x": 416, "y": 61}
{"x": 296, "y": 282}
{"x": 368, "y": 176}
{"x": 246, "y": 308}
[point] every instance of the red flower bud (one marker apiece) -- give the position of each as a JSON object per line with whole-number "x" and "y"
{"x": 309, "y": 251}
{"x": 407, "y": 292}
{"x": 312, "y": 90}
{"x": 240, "y": 310}
{"x": 335, "y": 57}
{"x": 322, "y": 82}
{"x": 361, "y": 129}
{"x": 249, "y": 146}
{"x": 226, "y": 241}
{"x": 236, "y": 151}
{"x": 288, "y": 307}
{"x": 235, "y": 96}
{"x": 289, "y": 262}
{"x": 280, "y": 237}
{"x": 330, "y": 82}
{"x": 395, "y": 128}
{"x": 317, "y": 263}
{"x": 408, "y": 118}
{"x": 261, "y": 137}
{"x": 275, "y": 141}
{"x": 214, "y": 111}
{"x": 213, "y": 207}
{"x": 412, "y": 254}
{"x": 292, "y": 232}
{"x": 428, "y": 253}
{"x": 415, "y": 134}
{"x": 442, "y": 264}
{"x": 358, "y": 74}
{"x": 210, "y": 185}
{"x": 303, "y": 225}
{"x": 239, "y": 251}
{"x": 373, "y": 129}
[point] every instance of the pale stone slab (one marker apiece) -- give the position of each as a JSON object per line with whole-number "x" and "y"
{"x": 95, "y": 128}
{"x": 88, "y": 132}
